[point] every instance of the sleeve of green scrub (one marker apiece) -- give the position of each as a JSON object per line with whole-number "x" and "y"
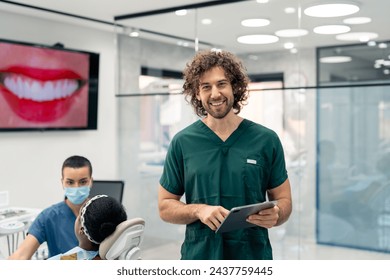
{"x": 278, "y": 169}
{"x": 172, "y": 176}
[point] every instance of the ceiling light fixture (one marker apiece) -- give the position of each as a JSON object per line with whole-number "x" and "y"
{"x": 257, "y": 39}
{"x": 331, "y": 10}
{"x": 335, "y": 59}
{"x": 331, "y": 29}
{"x": 183, "y": 43}
{"x": 206, "y": 21}
{"x": 289, "y": 10}
{"x": 357, "y": 20}
{"x": 255, "y": 22}
{"x": 357, "y": 36}
{"x": 181, "y": 12}
{"x": 262, "y": 1}
{"x": 134, "y": 33}
{"x": 288, "y": 45}
{"x": 291, "y": 33}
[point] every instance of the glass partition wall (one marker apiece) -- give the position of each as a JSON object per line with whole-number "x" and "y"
{"x": 335, "y": 131}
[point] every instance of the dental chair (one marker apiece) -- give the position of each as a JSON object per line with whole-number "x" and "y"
{"x": 124, "y": 243}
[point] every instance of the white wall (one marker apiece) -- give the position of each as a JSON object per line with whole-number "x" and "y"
{"x": 30, "y": 162}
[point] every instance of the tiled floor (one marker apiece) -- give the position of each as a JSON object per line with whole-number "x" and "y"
{"x": 283, "y": 250}
{"x": 158, "y": 249}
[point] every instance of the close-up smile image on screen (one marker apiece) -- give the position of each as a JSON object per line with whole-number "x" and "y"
{"x": 45, "y": 87}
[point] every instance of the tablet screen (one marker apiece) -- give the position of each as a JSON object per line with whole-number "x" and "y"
{"x": 236, "y": 219}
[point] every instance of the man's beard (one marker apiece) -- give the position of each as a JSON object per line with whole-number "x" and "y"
{"x": 219, "y": 113}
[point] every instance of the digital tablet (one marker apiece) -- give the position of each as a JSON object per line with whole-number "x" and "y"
{"x": 236, "y": 219}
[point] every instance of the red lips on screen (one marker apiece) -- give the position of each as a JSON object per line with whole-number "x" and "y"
{"x": 39, "y": 95}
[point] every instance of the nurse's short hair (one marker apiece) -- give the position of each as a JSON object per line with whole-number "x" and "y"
{"x": 77, "y": 162}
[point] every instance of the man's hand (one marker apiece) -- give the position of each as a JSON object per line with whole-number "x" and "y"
{"x": 212, "y": 216}
{"x": 266, "y": 218}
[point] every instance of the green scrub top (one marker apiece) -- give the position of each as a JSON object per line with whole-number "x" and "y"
{"x": 229, "y": 173}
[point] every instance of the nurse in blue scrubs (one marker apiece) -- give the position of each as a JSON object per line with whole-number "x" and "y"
{"x": 55, "y": 224}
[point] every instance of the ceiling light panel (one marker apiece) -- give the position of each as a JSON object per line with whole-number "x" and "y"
{"x": 289, "y": 10}
{"x": 206, "y": 21}
{"x": 289, "y": 33}
{"x": 331, "y": 10}
{"x": 288, "y": 45}
{"x": 331, "y": 29}
{"x": 357, "y": 36}
{"x": 255, "y": 22}
{"x": 181, "y": 12}
{"x": 357, "y": 20}
{"x": 257, "y": 39}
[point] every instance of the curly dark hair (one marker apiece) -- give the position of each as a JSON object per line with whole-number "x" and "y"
{"x": 205, "y": 60}
{"x": 102, "y": 217}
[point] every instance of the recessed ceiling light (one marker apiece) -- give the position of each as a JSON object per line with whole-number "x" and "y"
{"x": 134, "y": 33}
{"x": 291, "y": 32}
{"x": 257, "y": 39}
{"x": 335, "y": 59}
{"x": 357, "y": 36}
{"x": 331, "y": 10}
{"x": 206, "y": 21}
{"x": 255, "y": 22}
{"x": 288, "y": 45}
{"x": 331, "y": 29}
{"x": 262, "y": 1}
{"x": 181, "y": 12}
{"x": 182, "y": 43}
{"x": 357, "y": 20}
{"x": 382, "y": 46}
{"x": 289, "y": 10}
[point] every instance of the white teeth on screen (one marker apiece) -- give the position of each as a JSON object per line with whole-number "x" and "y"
{"x": 26, "y": 88}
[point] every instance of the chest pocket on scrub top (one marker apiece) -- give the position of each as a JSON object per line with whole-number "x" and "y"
{"x": 255, "y": 175}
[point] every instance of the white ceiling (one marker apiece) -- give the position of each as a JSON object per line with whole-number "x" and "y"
{"x": 226, "y": 19}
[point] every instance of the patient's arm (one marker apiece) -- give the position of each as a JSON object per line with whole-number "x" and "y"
{"x": 26, "y": 250}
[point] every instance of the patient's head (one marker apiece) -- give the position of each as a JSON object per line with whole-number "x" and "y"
{"x": 98, "y": 218}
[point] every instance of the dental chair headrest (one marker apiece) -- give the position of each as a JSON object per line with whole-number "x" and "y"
{"x": 123, "y": 243}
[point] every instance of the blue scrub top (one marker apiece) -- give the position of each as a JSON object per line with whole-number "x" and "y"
{"x": 55, "y": 225}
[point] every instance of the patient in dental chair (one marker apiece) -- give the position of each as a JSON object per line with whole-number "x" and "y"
{"x": 98, "y": 219}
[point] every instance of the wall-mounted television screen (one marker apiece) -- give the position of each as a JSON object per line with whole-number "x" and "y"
{"x": 47, "y": 87}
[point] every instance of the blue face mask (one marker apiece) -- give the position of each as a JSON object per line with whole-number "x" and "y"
{"x": 77, "y": 195}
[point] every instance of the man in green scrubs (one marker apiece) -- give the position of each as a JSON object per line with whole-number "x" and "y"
{"x": 222, "y": 161}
